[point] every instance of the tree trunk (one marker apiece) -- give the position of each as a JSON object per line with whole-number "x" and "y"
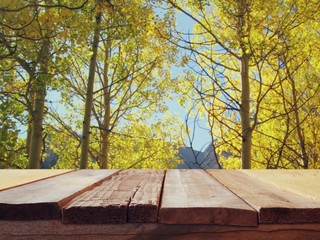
{"x": 89, "y": 96}
{"x": 105, "y": 145}
{"x": 245, "y": 114}
{"x": 38, "y": 112}
{"x": 246, "y": 130}
{"x": 105, "y": 150}
{"x": 30, "y": 115}
{"x": 29, "y": 138}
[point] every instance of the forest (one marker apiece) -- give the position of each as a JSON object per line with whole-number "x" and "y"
{"x": 90, "y": 81}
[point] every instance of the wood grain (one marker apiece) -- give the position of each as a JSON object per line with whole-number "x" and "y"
{"x": 193, "y": 197}
{"x": 144, "y": 205}
{"x": 302, "y": 182}
{"x": 132, "y": 195}
{"x": 44, "y": 199}
{"x": 54, "y": 229}
{"x": 273, "y": 204}
{"x": 13, "y": 178}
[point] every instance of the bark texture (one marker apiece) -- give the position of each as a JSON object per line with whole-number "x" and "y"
{"x": 246, "y": 129}
{"x": 245, "y": 115}
{"x": 38, "y": 112}
{"x": 89, "y": 96}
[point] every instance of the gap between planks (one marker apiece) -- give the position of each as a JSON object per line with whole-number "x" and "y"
{"x": 44, "y": 199}
{"x": 273, "y": 204}
{"x": 129, "y": 196}
{"x": 194, "y": 197}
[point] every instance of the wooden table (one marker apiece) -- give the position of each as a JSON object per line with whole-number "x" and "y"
{"x": 160, "y": 204}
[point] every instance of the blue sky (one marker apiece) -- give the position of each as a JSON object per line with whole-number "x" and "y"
{"x": 201, "y": 135}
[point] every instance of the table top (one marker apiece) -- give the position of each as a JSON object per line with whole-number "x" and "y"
{"x": 219, "y": 197}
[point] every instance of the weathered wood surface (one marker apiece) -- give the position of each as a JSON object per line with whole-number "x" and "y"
{"x": 144, "y": 205}
{"x": 273, "y": 204}
{"x": 44, "y": 199}
{"x": 305, "y": 183}
{"x": 54, "y": 229}
{"x": 131, "y": 195}
{"x": 13, "y": 178}
{"x": 223, "y": 197}
{"x": 193, "y": 197}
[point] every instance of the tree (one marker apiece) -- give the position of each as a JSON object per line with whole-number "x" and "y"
{"x": 28, "y": 33}
{"x": 35, "y": 89}
{"x": 225, "y": 49}
{"x": 131, "y": 87}
{"x": 231, "y": 50}
{"x": 89, "y": 95}
{"x": 287, "y": 136}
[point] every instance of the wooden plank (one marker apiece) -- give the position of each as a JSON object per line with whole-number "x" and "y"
{"x": 131, "y": 193}
{"x": 301, "y": 182}
{"x": 274, "y": 205}
{"x": 54, "y": 229}
{"x": 44, "y": 199}
{"x": 193, "y": 197}
{"x": 144, "y": 205}
{"x": 13, "y": 178}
